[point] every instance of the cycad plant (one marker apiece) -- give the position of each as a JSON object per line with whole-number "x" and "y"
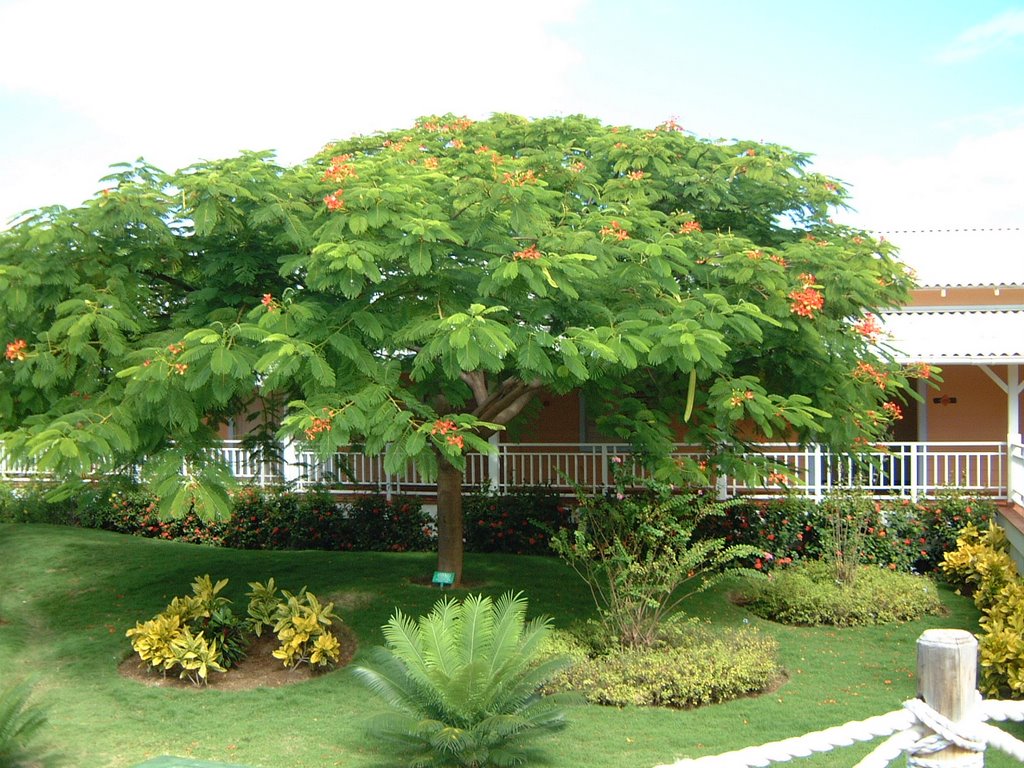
{"x": 20, "y": 723}
{"x": 463, "y": 683}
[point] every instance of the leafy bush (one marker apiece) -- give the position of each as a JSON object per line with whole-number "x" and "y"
{"x": 395, "y": 525}
{"x": 199, "y": 633}
{"x": 909, "y": 536}
{"x": 31, "y": 503}
{"x": 20, "y": 726}
{"x": 302, "y": 625}
{"x": 1001, "y": 646}
{"x": 518, "y": 522}
{"x": 809, "y": 593}
{"x": 692, "y": 665}
{"x": 463, "y": 683}
{"x": 638, "y": 555}
{"x": 981, "y": 565}
{"x": 184, "y": 636}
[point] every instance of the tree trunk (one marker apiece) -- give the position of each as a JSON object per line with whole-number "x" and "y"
{"x": 449, "y": 520}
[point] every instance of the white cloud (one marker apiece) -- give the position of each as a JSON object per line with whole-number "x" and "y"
{"x": 207, "y": 78}
{"x": 985, "y": 38}
{"x": 979, "y": 182}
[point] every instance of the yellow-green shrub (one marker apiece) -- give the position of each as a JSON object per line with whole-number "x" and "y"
{"x": 694, "y": 665}
{"x": 981, "y": 564}
{"x": 1002, "y": 643}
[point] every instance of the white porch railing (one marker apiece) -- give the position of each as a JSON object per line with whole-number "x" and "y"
{"x": 911, "y": 470}
{"x": 1016, "y": 471}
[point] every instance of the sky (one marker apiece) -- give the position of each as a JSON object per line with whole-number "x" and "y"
{"x": 917, "y": 106}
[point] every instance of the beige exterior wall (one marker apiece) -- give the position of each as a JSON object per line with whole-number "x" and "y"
{"x": 979, "y": 412}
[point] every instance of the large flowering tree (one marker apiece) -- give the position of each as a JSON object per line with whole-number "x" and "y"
{"x": 413, "y": 291}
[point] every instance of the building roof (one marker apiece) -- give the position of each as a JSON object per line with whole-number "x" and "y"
{"x": 944, "y": 336}
{"x": 953, "y": 258}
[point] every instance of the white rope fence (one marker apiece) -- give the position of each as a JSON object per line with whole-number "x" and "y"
{"x": 945, "y": 728}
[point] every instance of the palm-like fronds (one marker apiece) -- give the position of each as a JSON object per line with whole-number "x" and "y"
{"x": 20, "y": 723}
{"x": 463, "y": 682}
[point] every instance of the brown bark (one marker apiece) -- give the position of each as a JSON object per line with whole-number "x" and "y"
{"x": 449, "y": 520}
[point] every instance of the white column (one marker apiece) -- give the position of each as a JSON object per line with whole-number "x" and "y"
{"x": 1015, "y": 472}
{"x": 290, "y": 469}
{"x": 1013, "y": 390}
{"x": 494, "y": 462}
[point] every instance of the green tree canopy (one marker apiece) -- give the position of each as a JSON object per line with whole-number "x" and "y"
{"x": 414, "y": 290}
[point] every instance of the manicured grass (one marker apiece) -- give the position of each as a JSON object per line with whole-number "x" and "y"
{"x": 67, "y": 595}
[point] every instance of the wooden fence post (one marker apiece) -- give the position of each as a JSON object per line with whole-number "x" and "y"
{"x": 947, "y": 680}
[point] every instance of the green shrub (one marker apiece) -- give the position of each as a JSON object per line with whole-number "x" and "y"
{"x": 638, "y": 554}
{"x": 692, "y": 665}
{"x": 199, "y": 633}
{"x": 398, "y": 524}
{"x": 1001, "y": 645}
{"x": 31, "y": 503}
{"x": 303, "y": 628}
{"x": 20, "y": 726}
{"x": 463, "y": 684}
{"x": 518, "y": 522}
{"x": 981, "y": 565}
{"x": 808, "y": 593}
{"x": 193, "y": 635}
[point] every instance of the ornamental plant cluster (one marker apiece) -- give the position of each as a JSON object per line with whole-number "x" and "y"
{"x": 899, "y": 535}
{"x": 518, "y": 522}
{"x": 199, "y": 633}
{"x": 981, "y": 566}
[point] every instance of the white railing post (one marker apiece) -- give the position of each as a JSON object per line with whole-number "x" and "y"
{"x": 494, "y": 463}
{"x": 815, "y": 474}
{"x": 1015, "y": 468}
{"x": 604, "y": 466}
{"x": 290, "y": 469}
{"x": 915, "y": 473}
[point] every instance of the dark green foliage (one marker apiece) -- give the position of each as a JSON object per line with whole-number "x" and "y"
{"x": 398, "y": 524}
{"x": 808, "y": 593}
{"x": 691, "y": 665}
{"x": 638, "y": 554}
{"x": 20, "y": 726}
{"x": 518, "y": 522}
{"x": 462, "y": 683}
{"x": 912, "y": 536}
{"x": 31, "y": 503}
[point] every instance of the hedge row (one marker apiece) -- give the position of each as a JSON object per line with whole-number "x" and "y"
{"x": 518, "y": 523}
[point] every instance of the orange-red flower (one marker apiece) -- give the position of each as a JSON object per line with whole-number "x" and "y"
{"x": 527, "y": 254}
{"x": 16, "y": 350}
{"x": 806, "y": 302}
{"x": 334, "y": 201}
{"x": 444, "y": 426}
{"x": 615, "y": 230}
{"x": 868, "y": 328}
{"x": 894, "y": 411}
{"x": 689, "y": 227}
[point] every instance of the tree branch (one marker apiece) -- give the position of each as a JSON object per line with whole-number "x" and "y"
{"x": 177, "y": 283}
{"x": 477, "y": 382}
{"x": 508, "y": 402}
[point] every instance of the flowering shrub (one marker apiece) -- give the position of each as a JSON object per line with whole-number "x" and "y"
{"x": 898, "y": 535}
{"x": 395, "y": 525}
{"x": 519, "y": 522}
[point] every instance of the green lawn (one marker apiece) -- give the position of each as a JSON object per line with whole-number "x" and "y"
{"x": 67, "y": 595}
